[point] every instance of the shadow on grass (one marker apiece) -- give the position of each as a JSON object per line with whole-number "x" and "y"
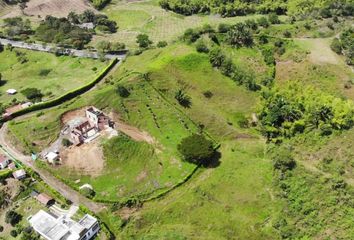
{"x": 214, "y": 162}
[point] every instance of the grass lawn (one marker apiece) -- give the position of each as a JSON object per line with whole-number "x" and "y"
{"x": 52, "y": 75}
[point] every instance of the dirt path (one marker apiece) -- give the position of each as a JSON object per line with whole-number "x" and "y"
{"x": 53, "y": 182}
{"x": 321, "y": 53}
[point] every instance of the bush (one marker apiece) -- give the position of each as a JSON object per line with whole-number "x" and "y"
{"x": 1, "y": 228}
{"x": 183, "y": 99}
{"x": 122, "y": 91}
{"x": 196, "y": 149}
{"x": 283, "y": 160}
{"x": 287, "y": 34}
{"x": 161, "y": 44}
{"x": 32, "y": 94}
{"x": 336, "y": 46}
{"x": 224, "y": 28}
{"x": 201, "y": 46}
{"x": 262, "y": 21}
{"x": 44, "y": 72}
{"x": 208, "y": 94}
{"x": 143, "y": 41}
{"x": 240, "y": 35}
{"x": 87, "y": 192}
{"x": 273, "y": 18}
{"x": 191, "y": 35}
{"x": 13, "y": 233}
{"x": 12, "y": 217}
{"x": 66, "y": 142}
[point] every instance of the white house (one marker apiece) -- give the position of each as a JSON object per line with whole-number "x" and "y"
{"x": 19, "y": 174}
{"x": 52, "y": 157}
{"x": 4, "y": 161}
{"x": 51, "y": 227}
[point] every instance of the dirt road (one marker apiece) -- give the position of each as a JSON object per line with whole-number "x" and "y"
{"x": 53, "y": 182}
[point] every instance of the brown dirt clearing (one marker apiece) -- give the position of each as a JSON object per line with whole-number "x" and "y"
{"x": 87, "y": 158}
{"x": 57, "y": 8}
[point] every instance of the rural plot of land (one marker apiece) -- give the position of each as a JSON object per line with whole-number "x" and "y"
{"x": 134, "y": 17}
{"x": 52, "y": 75}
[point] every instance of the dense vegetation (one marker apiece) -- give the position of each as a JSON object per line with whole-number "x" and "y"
{"x": 294, "y": 109}
{"x": 231, "y": 8}
{"x": 99, "y": 4}
{"x": 345, "y": 45}
{"x": 196, "y": 149}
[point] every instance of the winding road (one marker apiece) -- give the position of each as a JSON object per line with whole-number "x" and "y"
{"x": 70, "y": 194}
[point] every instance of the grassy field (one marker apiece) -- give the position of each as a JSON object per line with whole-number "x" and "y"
{"x": 52, "y": 75}
{"x": 134, "y": 17}
{"x": 312, "y": 62}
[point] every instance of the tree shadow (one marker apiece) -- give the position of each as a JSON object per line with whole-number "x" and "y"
{"x": 214, "y": 162}
{"x": 2, "y": 82}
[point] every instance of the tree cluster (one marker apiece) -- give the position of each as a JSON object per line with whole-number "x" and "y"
{"x": 230, "y": 8}
{"x": 219, "y": 60}
{"x": 100, "y": 21}
{"x": 294, "y": 109}
{"x": 32, "y": 94}
{"x": 62, "y": 31}
{"x": 16, "y": 27}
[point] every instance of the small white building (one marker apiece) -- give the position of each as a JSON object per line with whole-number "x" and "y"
{"x": 51, "y": 227}
{"x": 52, "y": 157}
{"x": 19, "y": 174}
{"x": 11, "y": 91}
{"x": 4, "y": 161}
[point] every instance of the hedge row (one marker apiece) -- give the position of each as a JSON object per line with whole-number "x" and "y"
{"x": 67, "y": 96}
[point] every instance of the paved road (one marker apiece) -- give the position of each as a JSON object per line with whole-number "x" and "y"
{"x": 53, "y": 182}
{"x": 52, "y": 49}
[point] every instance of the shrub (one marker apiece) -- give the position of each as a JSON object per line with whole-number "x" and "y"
{"x": 336, "y": 46}
{"x": 123, "y": 91}
{"x": 87, "y": 192}
{"x": 196, "y": 149}
{"x": 33, "y": 94}
{"x": 201, "y": 46}
{"x": 262, "y": 21}
{"x": 208, "y": 94}
{"x": 283, "y": 160}
{"x": 224, "y": 28}
{"x": 161, "y": 44}
{"x": 44, "y": 72}
{"x": 1, "y": 228}
{"x": 183, "y": 99}
{"x": 273, "y": 18}
{"x": 287, "y": 34}
{"x": 240, "y": 35}
{"x": 13, "y": 233}
{"x": 12, "y": 217}
{"x": 66, "y": 142}
{"x": 143, "y": 40}
{"x": 191, "y": 35}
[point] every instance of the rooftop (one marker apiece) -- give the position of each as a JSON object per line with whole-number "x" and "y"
{"x": 61, "y": 228}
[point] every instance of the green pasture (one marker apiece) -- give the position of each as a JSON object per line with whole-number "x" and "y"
{"x": 61, "y": 74}
{"x": 134, "y": 17}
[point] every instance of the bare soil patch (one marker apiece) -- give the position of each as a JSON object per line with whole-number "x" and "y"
{"x": 133, "y": 132}
{"x": 87, "y": 158}
{"x": 57, "y": 8}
